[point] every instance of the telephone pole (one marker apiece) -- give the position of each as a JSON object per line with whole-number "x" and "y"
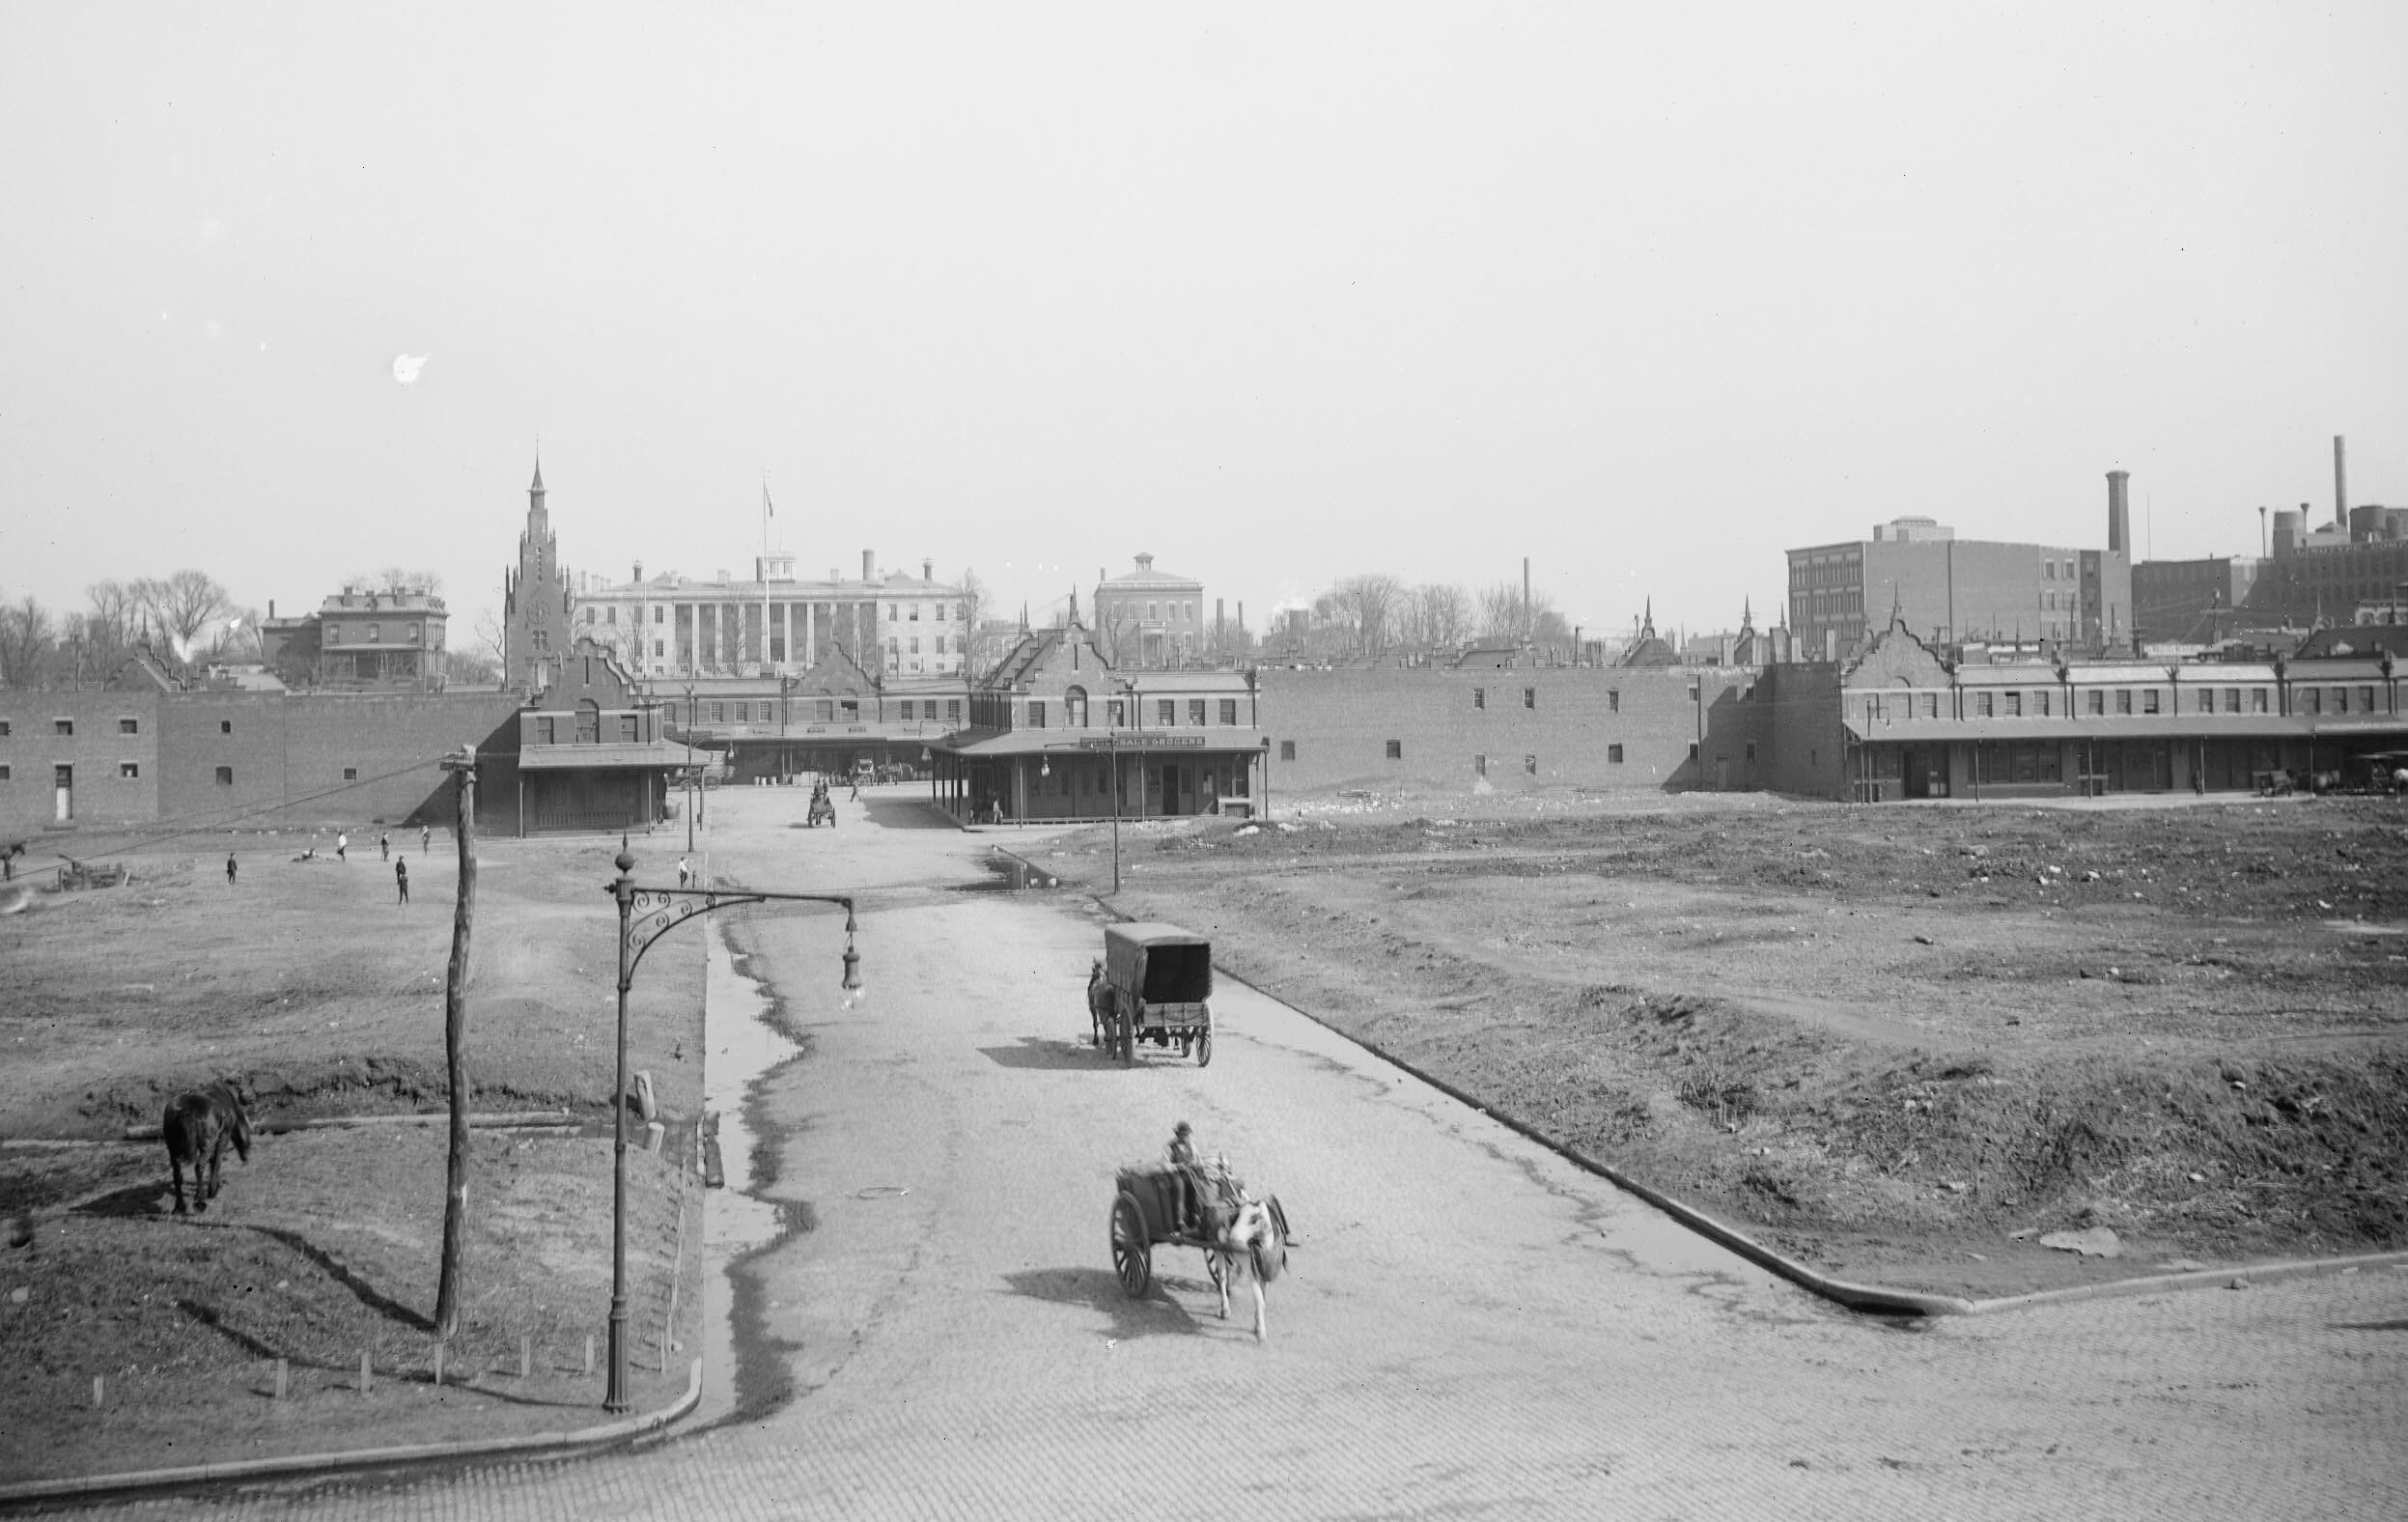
{"x": 463, "y": 765}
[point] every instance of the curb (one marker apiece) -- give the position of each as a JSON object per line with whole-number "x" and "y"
{"x": 88, "y": 1486}
{"x": 1870, "y": 1298}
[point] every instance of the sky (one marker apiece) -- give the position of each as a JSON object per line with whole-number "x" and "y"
{"x": 1278, "y": 293}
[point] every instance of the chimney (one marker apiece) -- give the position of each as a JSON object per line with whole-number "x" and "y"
{"x": 2119, "y": 513}
{"x": 928, "y": 570}
{"x": 272, "y": 607}
{"x": 639, "y": 571}
{"x": 869, "y": 565}
{"x": 2340, "y": 482}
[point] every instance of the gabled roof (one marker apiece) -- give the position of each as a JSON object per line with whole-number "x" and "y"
{"x": 833, "y": 673}
{"x": 1035, "y": 650}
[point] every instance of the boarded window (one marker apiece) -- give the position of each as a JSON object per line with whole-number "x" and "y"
{"x": 1396, "y": 751}
{"x": 1479, "y": 699}
{"x": 1613, "y": 755}
{"x": 1530, "y": 697}
{"x": 225, "y": 776}
{"x": 1480, "y": 766}
{"x": 129, "y": 727}
{"x": 129, "y": 769}
{"x": 1287, "y": 750}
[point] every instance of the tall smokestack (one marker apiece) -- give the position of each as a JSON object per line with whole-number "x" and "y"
{"x": 869, "y": 565}
{"x": 2340, "y": 482}
{"x": 2119, "y": 513}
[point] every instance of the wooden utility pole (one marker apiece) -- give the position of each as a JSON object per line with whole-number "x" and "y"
{"x": 464, "y": 767}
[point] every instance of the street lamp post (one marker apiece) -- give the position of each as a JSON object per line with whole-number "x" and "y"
{"x": 645, "y": 916}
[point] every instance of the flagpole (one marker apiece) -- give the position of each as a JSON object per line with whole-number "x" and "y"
{"x": 765, "y": 511}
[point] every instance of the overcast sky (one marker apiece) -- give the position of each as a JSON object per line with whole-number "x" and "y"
{"x": 1646, "y": 294}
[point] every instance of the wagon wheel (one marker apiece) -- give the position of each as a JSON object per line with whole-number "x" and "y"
{"x": 1133, "y": 1256}
{"x": 1204, "y": 1046}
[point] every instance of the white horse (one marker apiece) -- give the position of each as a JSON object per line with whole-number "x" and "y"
{"x": 1252, "y": 1244}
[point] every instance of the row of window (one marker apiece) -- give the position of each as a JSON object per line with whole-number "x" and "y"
{"x": 824, "y": 710}
{"x": 376, "y": 634}
{"x": 1529, "y": 698}
{"x": 2041, "y": 702}
{"x": 1165, "y": 712}
{"x": 608, "y": 613}
{"x": 131, "y": 772}
{"x": 66, "y": 727}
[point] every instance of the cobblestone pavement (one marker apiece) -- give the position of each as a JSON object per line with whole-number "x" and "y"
{"x": 1470, "y": 1326}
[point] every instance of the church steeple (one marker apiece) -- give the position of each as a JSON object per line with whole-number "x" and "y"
{"x": 535, "y": 488}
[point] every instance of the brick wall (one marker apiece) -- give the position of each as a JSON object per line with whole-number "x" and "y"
{"x": 285, "y": 758}
{"x": 1543, "y": 728}
{"x": 97, "y": 752}
{"x": 1807, "y": 744}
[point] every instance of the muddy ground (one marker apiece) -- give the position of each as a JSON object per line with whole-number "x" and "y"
{"x": 308, "y": 987}
{"x": 1899, "y": 1043}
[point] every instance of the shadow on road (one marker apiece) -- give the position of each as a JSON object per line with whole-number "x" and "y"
{"x": 134, "y": 1200}
{"x": 1047, "y": 1051}
{"x": 906, "y": 813}
{"x": 1155, "y": 1315}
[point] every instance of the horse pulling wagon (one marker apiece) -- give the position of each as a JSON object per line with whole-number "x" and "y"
{"x": 1170, "y": 1206}
{"x": 1154, "y": 983}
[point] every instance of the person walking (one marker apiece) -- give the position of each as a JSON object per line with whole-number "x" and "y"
{"x": 684, "y": 872}
{"x": 342, "y": 845}
{"x": 426, "y": 838}
{"x": 401, "y": 878}
{"x": 230, "y": 869}
{"x": 385, "y": 845}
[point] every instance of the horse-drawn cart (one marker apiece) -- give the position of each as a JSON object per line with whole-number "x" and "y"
{"x": 823, "y": 809}
{"x": 1150, "y": 1209}
{"x": 1154, "y": 983}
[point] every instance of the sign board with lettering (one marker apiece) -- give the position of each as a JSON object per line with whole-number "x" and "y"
{"x": 1152, "y": 740}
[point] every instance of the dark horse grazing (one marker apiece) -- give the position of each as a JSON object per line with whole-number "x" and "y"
{"x": 197, "y": 1126}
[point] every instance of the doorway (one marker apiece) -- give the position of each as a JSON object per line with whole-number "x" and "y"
{"x": 1915, "y": 774}
{"x": 64, "y": 779}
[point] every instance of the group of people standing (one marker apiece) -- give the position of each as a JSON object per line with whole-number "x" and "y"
{"x": 342, "y": 853}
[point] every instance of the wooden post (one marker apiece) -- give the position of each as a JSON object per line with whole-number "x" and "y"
{"x": 364, "y": 1378}
{"x": 99, "y": 1392}
{"x": 463, "y": 766}
{"x": 284, "y": 1379}
{"x": 589, "y": 1353}
{"x": 526, "y": 1357}
{"x": 438, "y": 1362}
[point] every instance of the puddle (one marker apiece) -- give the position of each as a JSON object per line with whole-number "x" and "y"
{"x": 1009, "y": 874}
{"x": 740, "y": 1046}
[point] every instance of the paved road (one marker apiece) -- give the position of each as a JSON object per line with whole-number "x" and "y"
{"x": 1470, "y": 1327}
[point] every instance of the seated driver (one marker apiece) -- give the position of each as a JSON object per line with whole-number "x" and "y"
{"x": 1190, "y": 1177}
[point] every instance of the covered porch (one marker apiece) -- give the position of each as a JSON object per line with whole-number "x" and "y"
{"x": 1024, "y": 777}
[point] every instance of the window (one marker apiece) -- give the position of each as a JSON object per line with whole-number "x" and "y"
{"x": 2041, "y": 706}
{"x": 376, "y": 633}
{"x": 719, "y": 713}
{"x": 63, "y": 726}
{"x": 2312, "y": 699}
{"x": 1396, "y": 751}
{"x": 2257, "y": 700}
{"x": 1984, "y": 704}
{"x": 953, "y": 711}
{"x": 1036, "y": 713}
{"x": 2231, "y": 699}
{"x": 1167, "y": 711}
{"x": 1287, "y": 750}
{"x": 890, "y": 612}
{"x": 941, "y": 613}
{"x": 225, "y": 776}
{"x": 1613, "y": 755}
{"x": 827, "y": 707}
{"x": 1229, "y": 710}
{"x": 656, "y": 613}
{"x": 1195, "y": 712}
{"x": 590, "y": 613}
{"x": 1752, "y": 752}
{"x": 410, "y": 634}
{"x": 1530, "y": 697}
{"x": 1153, "y": 612}
{"x": 1692, "y": 752}
{"x": 1613, "y": 700}
{"x": 3, "y": 772}
{"x": 129, "y": 727}
{"x": 4, "y": 728}
{"x": 350, "y": 773}
{"x": 2123, "y": 700}
{"x": 1480, "y": 766}
{"x": 907, "y": 710}
{"x": 334, "y": 634}
{"x": 1529, "y": 766}
{"x": 2365, "y": 700}
{"x": 915, "y": 644}
{"x": 627, "y": 730}
{"x": 2014, "y": 705}
{"x": 1479, "y": 699}
{"x": 2341, "y": 700}
{"x": 128, "y": 771}
{"x": 2095, "y": 702}
{"x": 2148, "y": 701}
{"x": 916, "y": 613}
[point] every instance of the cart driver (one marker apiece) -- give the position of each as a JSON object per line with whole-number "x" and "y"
{"x": 1190, "y": 1177}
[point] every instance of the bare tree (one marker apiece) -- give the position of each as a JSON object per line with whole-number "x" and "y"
{"x": 185, "y": 603}
{"x": 1435, "y": 614}
{"x": 109, "y": 628}
{"x": 488, "y": 633}
{"x": 27, "y": 638}
{"x": 1497, "y": 610}
{"x": 397, "y": 580}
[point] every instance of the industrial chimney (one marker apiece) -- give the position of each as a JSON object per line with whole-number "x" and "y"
{"x": 2340, "y": 482}
{"x": 928, "y": 570}
{"x": 869, "y": 565}
{"x": 2119, "y": 513}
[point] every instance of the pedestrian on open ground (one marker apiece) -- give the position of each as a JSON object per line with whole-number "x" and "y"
{"x": 342, "y": 845}
{"x": 401, "y": 877}
{"x": 230, "y": 869}
{"x": 426, "y": 838}
{"x": 385, "y": 845}
{"x": 684, "y": 873}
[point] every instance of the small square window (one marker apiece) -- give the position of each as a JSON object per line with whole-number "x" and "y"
{"x": 129, "y": 771}
{"x": 1287, "y": 750}
{"x": 1613, "y": 700}
{"x": 350, "y": 773}
{"x": 225, "y": 776}
{"x": 129, "y": 727}
{"x": 3, "y": 772}
{"x": 63, "y": 726}
{"x": 1396, "y": 751}
{"x": 1613, "y": 755}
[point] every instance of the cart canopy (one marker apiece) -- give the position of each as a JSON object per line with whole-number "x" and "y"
{"x": 1161, "y": 964}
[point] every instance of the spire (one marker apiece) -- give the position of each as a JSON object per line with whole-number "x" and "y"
{"x": 1074, "y": 609}
{"x": 1647, "y": 628}
{"x": 1746, "y": 614}
{"x": 535, "y": 488}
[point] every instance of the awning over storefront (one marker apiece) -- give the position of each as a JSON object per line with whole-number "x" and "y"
{"x": 2095, "y": 726}
{"x": 1005, "y": 744}
{"x": 611, "y": 758}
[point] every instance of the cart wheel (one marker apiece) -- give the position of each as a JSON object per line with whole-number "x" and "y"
{"x": 1204, "y": 1049}
{"x": 1133, "y": 1256}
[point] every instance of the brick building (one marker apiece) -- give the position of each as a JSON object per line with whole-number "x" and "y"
{"x": 2189, "y": 602}
{"x": 361, "y": 641}
{"x": 535, "y": 601}
{"x": 1056, "y": 730}
{"x": 594, "y": 756}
